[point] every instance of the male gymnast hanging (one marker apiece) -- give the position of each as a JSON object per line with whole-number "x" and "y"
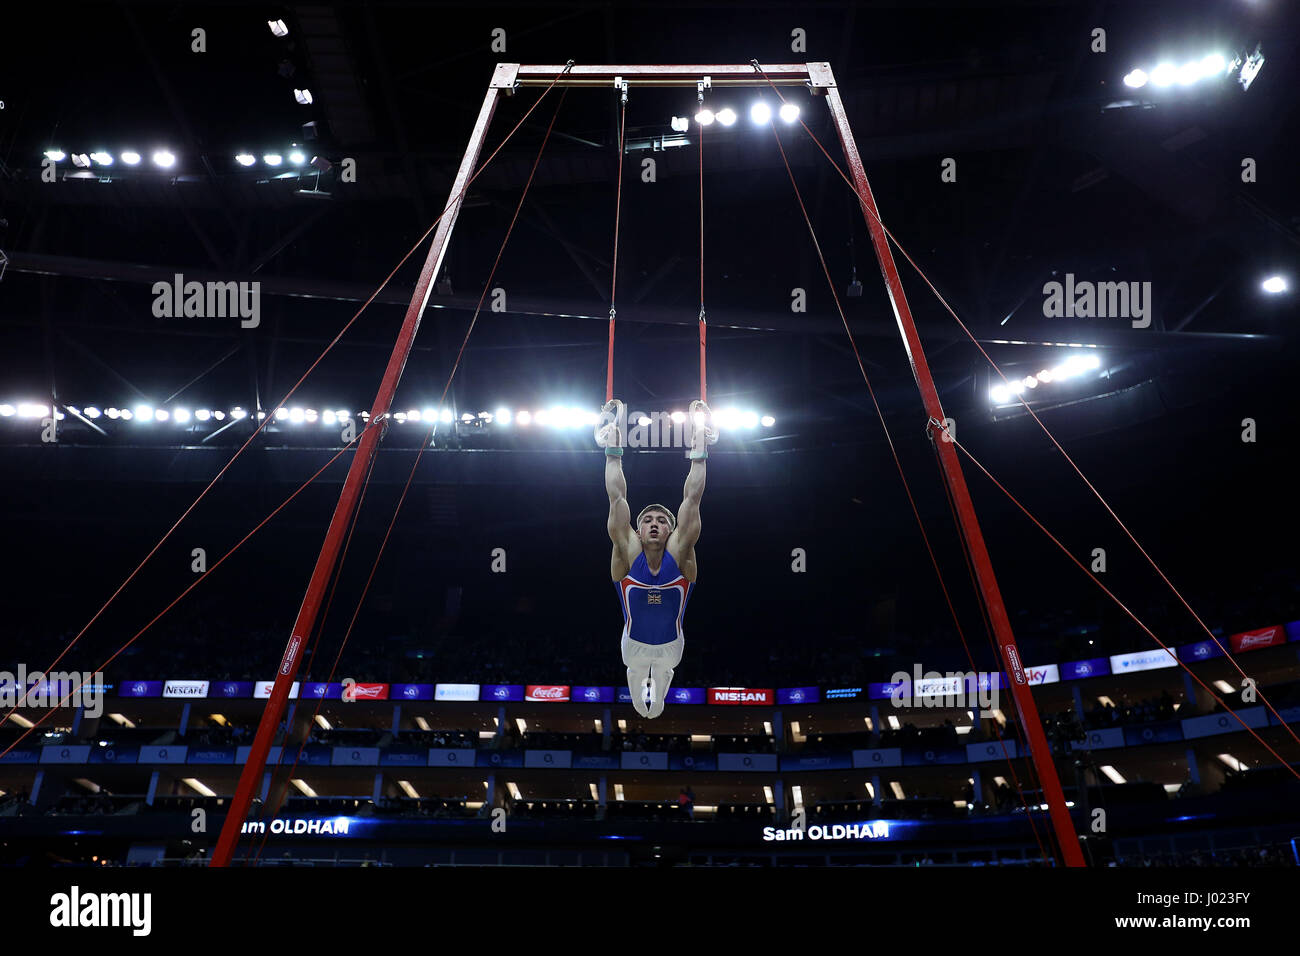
{"x": 653, "y": 566}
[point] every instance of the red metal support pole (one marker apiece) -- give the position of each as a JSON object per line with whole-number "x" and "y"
{"x": 275, "y": 706}
{"x": 823, "y": 81}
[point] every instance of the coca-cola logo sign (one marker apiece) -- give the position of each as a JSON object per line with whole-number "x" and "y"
{"x": 546, "y": 692}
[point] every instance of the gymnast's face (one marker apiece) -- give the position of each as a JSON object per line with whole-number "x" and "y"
{"x": 655, "y": 528}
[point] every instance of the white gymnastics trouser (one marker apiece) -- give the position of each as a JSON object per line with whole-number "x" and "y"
{"x": 650, "y": 672}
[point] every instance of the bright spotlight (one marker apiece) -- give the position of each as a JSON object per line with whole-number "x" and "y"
{"x": 681, "y": 124}
{"x": 760, "y": 113}
{"x": 400, "y": 418}
{"x": 7, "y": 411}
{"x": 281, "y": 414}
{"x": 704, "y": 117}
{"x": 272, "y": 159}
{"x": 679, "y": 417}
{"x": 112, "y": 413}
{"x": 238, "y": 413}
{"x": 278, "y": 27}
{"x": 1045, "y": 375}
{"x": 219, "y": 415}
{"x": 164, "y": 159}
{"x": 312, "y": 416}
{"x": 727, "y": 117}
{"x": 1274, "y": 284}
{"x": 57, "y": 155}
{"x": 1189, "y": 73}
{"x": 297, "y": 158}
{"x": 161, "y": 414}
{"x": 126, "y": 415}
{"x": 643, "y": 421}
{"x": 296, "y": 415}
{"x": 131, "y": 157}
{"x": 303, "y": 97}
{"x": 181, "y": 415}
{"x": 445, "y": 416}
{"x": 788, "y": 112}
{"x": 1164, "y": 74}
{"x": 102, "y": 158}
{"x": 81, "y": 160}
{"x": 767, "y": 421}
{"x": 749, "y": 420}
{"x": 486, "y": 416}
{"x": 203, "y": 414}
{"x": 245, "y": 159}
{"x": 144, "y": 413}
{"x": 429, "y": 415}
{"x": 328, "y": 417}
{"x": 1031, "y": 382}
{"x": 91, "y": 411}
{"x": 523, "y": 418}
{"x": 1136, "y": 79}
{"x": 1000, "y": 394}
{"x": 413, "y": 415}
{"x": 1212, "y": 64}
{"x": 32, "y": 410}
{"x": 503, "y": 416}
{"x": 1017, "y": 387}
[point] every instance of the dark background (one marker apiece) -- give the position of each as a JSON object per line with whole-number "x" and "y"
{"x": 1052, "y": 178}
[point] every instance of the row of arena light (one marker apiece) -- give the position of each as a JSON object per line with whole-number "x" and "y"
{"x": 760, "y": 114}
{"x": 165, "y": 159}
{"x": 1210, "y": 66}
{"x": 1076, "y": 365}
{"x": 556, "y": 417}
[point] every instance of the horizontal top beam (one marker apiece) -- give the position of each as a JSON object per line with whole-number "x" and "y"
{"x": 669, "y": 74}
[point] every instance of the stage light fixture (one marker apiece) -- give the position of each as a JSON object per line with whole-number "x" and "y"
{"x": 303, "y": 97}
{"x": 238, "y": 413}
{"x": 679, "y": 417}
{"x": 1274, "y": 285}
{"x": 181, "y": 415}
{"x": 788, "y": 113}
{"x": 768, "y": 421}
{"x": 278, "y": 27}
{"x": 112, "y": 413}
{"x": 760, "y": 113}
{"x": 144, "y": 413}
{"x": 400, "y": 418}
{"x": 297, "y": 158}
{"x": 57, "y": 155}
{"x": 1136, "y": 79}
{"x": 7, "y": 411}
{"x": 245, "y": 159}
{"x": 161, "y": 414}
{"x": 1164, "y": 74}
{"x": 281, "y": 414}
{"x": 219, "y": 415}
{"x": 164, "y": 159}
{"x": 524, "y": 417}
{"x": 1212, "y": 65}
{"x": 203, "y": 414}
{"x": 704, "y": 117}
{"x": 726, "y": 117}
{"x": 445, "y": 416}
{"x": 80, "y": 160}
{"x": 91, "y": 412}
{"x": 272, "y": 159}
{"x": 102, "y": 158}
{"x": 1189, "y": 73}
{"x": 503, "y": 416}
{"x": 749, "y": 420}
{"x": 131, "y": 157}
{"x": 681, "y": 124}
{"x": 413, "y": 415}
